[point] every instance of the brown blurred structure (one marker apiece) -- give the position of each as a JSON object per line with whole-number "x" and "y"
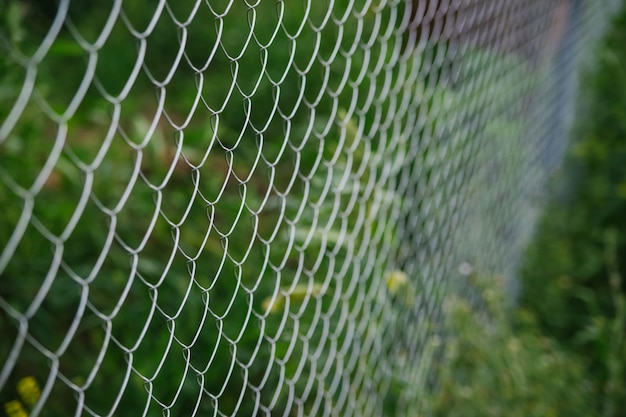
{"x": 507, "y": 25}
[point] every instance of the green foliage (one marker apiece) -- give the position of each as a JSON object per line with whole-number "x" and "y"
{"x": 572, "y": 272}
{"x": 496, "y": 362}
{"x": 561, "y": 350}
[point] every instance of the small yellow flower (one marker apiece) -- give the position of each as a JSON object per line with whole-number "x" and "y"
{"x": 15, "y": 409}
{"x": 396, "y": 281}
{"x": 29, "y": 390}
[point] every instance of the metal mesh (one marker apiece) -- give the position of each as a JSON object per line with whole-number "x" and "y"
{"x": 236, "y": 208}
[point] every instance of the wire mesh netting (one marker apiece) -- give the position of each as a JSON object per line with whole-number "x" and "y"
{"x": 257, "y": 208}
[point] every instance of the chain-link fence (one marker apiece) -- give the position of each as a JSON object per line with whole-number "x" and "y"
{"x": 257, "y": 208}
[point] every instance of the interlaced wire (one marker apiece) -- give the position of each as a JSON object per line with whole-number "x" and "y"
{"x": 258, "y": 208}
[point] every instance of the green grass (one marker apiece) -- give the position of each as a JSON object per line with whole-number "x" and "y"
{"x": 495, "y": 361}
{"x": 573, "y": 270}
{"x": 559, "y": 350}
